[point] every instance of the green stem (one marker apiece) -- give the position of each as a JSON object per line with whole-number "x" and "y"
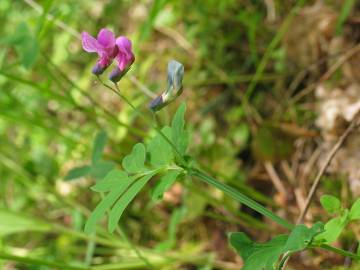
{"x": 233, "y": 193}
{"x": 340, "y": 251}
{"x": 33, "y": 261}
{"x": 90, "y": 249}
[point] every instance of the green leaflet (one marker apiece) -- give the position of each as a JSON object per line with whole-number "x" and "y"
{"x": 111, "y": 180}
{"x": 333, "y": 228}
{"x": 99, "y": 145}
{"x": 101, "y": 168}
{"x": 125, "y": 199}
{"x": 330, "y": 203}
{"x": 98, "y": 168}
{"x": 301, "y": 236}
{"x": 159, "y": 149}
{"x": 258, "y": 256}
{"x": 77, "y": 172}
{"x": 179, "y": 136}
{"x": 164, "y": 184}
{"x": 355, "y": 210}
{"x": 134, "y": 162}
{"x": 105, "y": 204}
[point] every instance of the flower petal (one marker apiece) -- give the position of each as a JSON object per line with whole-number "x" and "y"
{"x": 125, "y": 56}
{"x": 125, "y": 46}
{"x": 106, "y": 38}
{"x": 89, "y": 43}
{"x": 121, "y": 60}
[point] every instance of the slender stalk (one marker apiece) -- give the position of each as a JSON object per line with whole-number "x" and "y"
{"x": 90, "y": 249}
{"x": 340, "y": 251}
{"x": 241, "y": 198}
{"x": 33, "y": 261}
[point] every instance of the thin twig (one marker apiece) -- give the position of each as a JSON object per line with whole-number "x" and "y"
{"x": 328, "y": 159}
{"x": 274, "y": 177}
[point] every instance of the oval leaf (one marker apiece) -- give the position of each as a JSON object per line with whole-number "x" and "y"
{"x": 355, "y": 210}
{"x": 134, "y": 162}
{"x": 330, "y": 203}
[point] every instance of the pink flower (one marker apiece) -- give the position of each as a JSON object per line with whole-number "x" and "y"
{"x": 105, "y": 46}
{"x": 124, "y": 57}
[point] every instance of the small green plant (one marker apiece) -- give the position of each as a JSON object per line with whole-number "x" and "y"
{"x": 164, "y": 159}
{"x": 342, "y": 217}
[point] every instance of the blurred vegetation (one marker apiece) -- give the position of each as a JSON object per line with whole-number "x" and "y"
{"x": 244, "y": 88}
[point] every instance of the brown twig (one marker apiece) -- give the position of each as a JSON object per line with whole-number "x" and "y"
{"x": 328, "y": 159}
{"x": 274, "y": 177}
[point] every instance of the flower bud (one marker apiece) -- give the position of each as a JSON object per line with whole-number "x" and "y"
{"x": 116, "y": 74}
{"x": 97, "y": 69}
{"x": 157, "y": 103}
{"x": 175, "y": 74}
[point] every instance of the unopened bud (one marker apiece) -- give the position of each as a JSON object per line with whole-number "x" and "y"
{"x": 116, "y": 74}
{"x": 175, "y": 74}
{"x": 97, "y": 69}
{"x": 157, "y": 103}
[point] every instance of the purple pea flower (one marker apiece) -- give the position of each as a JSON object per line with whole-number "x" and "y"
{"x": 124, "y": 57}
{"x": 105, "y": 46}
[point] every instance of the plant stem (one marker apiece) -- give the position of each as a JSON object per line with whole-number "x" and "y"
{"x": 33, "y": 261}
{"x": 241, "y": 198}
{"x": 340, "y": 251}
